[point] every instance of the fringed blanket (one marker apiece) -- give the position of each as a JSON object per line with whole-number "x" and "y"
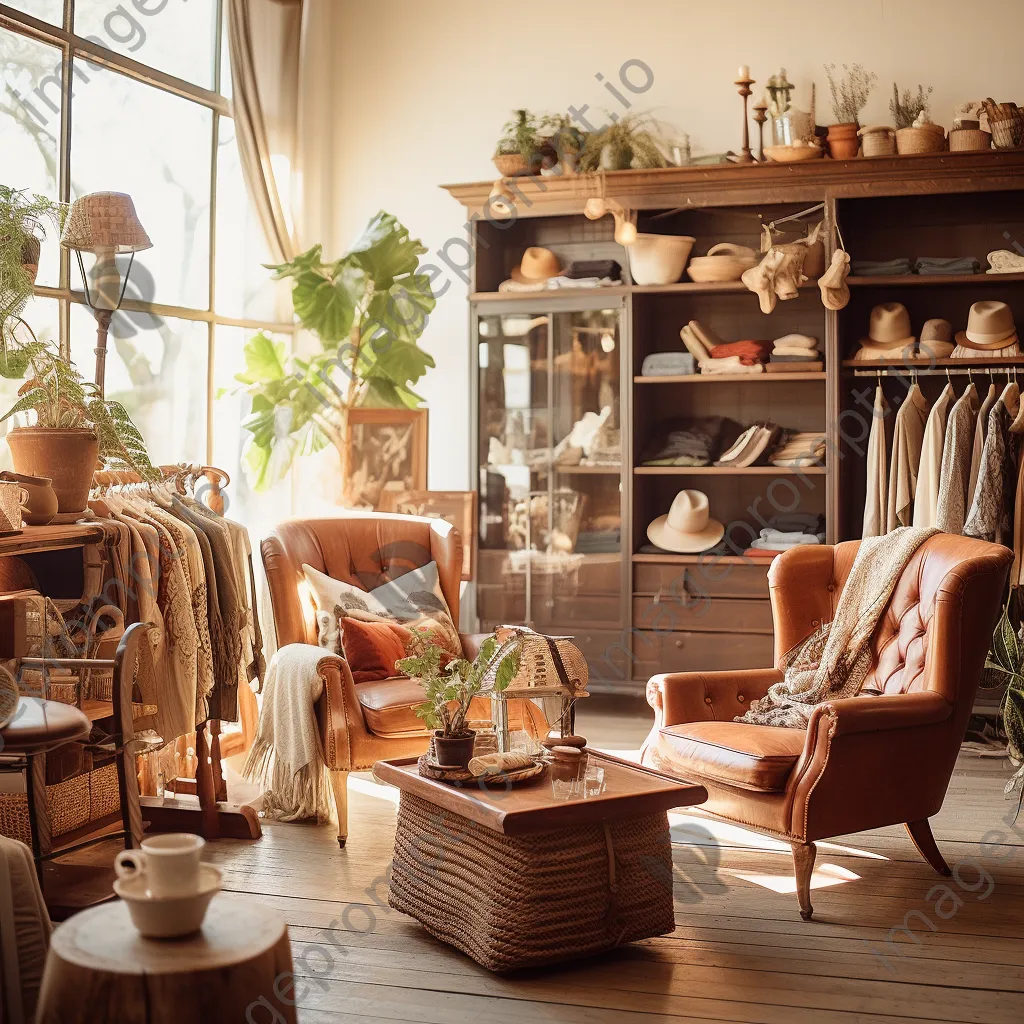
{"x": 834, "y": 660}
{"x": 286, "y": 758}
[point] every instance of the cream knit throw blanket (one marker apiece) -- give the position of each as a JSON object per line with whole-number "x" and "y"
{"x": 834, "y": 660}
{"x": 286, "y": 758}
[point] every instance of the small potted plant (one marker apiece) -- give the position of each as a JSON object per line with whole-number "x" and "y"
{"x": 850, "y": 91}
{"x": 517, "y": 148}
{"x": 915, "y": 130}
{"x": 73, "y": 427}
{"x": 450, "y": 684}
{"x": 1004, "y": 669}
{"x": 564, "y": 137}
{"x": 632, "y": 141}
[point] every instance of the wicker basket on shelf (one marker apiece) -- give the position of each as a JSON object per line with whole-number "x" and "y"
{"x": 969, "y": 140}
{"x": 510, "y": 164}
{"x": 930, "y": 138}
{"x": 878, "y": 140}
{"x": 1006, "y": 121}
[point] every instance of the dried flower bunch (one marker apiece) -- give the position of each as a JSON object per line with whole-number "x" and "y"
{"x": 906, "y": 107}
{"x": 850, "y": 91}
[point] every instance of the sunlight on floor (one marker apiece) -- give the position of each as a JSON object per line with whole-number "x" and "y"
{"x": 365, "y": 785}
{"x": 824, "y": 876}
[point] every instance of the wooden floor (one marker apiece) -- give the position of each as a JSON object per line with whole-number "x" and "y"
{"x": 740, "y": 951}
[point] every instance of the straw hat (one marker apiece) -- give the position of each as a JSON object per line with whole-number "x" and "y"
{"x": 989, "y": 326}
{"x": 687, "y": 528}
{"x": 537, "y": 265}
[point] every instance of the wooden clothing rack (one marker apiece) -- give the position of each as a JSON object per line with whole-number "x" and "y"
{"x": 214, "y": 817}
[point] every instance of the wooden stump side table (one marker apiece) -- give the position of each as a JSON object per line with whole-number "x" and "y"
{"x": 100, "y": 968}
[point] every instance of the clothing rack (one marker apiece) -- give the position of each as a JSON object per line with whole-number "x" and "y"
{"x": 214, "y": 817}
{"x": 1000, "y": 369}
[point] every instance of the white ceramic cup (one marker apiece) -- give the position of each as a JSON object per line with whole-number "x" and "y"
{"x": 169, "y": 864}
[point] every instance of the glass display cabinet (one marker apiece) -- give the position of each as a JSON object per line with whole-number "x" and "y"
{"x": 550, "y": 464}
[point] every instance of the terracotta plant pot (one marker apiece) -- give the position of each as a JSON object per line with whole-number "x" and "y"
{"x": 453, "y": 751}
{"x": 843, "y": 142}
{"x": 41, "y": 505}
{"x": 67, "y": 457}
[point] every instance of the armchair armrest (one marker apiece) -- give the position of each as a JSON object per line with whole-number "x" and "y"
{"x": 884, "y": 712}
{"x": 679, "y": 697}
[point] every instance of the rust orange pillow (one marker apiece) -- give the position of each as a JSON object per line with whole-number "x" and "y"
{"x": 372, "y": 648}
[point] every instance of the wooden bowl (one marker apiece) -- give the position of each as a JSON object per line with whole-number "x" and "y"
{"x": 708, "y": 269}
{"x": 793, "y": 154}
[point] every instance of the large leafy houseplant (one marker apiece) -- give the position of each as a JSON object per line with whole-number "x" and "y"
{"x": 367, "y": 310}
{"x": 1004, "y": 667}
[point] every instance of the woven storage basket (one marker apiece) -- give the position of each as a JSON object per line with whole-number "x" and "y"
{"x": 969, "y": 140}
{"x": 104, "y": 797}
{"x": 880, "y": 141}
{"x": 1008, "y": 134}
{"x": 509, "y": 164}
{"x": 910, "y": 141}
{"x": 525, "y": 901}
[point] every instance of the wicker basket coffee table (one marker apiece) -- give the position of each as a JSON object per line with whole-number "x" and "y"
{"x": 515, "y": 878}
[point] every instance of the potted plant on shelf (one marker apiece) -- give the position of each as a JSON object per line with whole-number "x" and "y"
{"x": 451, "y": 685}
{"x": 915, "y": 130}
{"x": 368, "y": 310}
{"x": 564, "y": 137}
{"x": 634, "y": 141}
{"x": 850, "y": 91}
{"x": 74, "y": 426}
{"x": 22, "y": 229}
{"x": 518, "y": 146}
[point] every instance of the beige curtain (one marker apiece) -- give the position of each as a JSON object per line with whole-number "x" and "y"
{"x": 281, "y": 56}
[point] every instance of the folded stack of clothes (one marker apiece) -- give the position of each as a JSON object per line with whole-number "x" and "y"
{"x": 751, "y": 448}
{"x": 690, "y": 442}
{"x": 799, "y": 448}
{"x": 715, "y": 356}
{"x": 939, "y": 265}
{"x": 795, "y": 353}
{"x": 881, "y": 268}
{"x": 788, "y": 530}
{"x": 668, "y": 364}
{"x": 598, "y": 542}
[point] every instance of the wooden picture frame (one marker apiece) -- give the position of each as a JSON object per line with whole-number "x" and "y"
{"x": 456, "y": 507}
{"x": 387, "y": 449}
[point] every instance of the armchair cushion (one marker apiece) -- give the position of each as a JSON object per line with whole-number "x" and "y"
{"x": 752, "y": 757}
{"x": 389, "y": 706}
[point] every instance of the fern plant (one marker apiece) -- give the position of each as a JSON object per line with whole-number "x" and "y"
{"x": 1004, "y": 667}
{"x": 23, "y": 220}
{"x": 519, "y": 135}
{"x": 451, "y": 686}
{"x": 61, "y": 398}
{"x": 631, "y": 141}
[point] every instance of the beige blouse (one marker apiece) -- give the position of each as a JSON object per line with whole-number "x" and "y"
{"x": 878, "y": 474}
{"x": 926, "y": 500}
{"x": 908, "y": 437}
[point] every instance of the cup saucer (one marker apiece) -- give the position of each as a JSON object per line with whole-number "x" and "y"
{"x": 168, "y": 917}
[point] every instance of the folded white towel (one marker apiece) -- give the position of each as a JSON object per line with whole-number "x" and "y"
{"x": 794, "y": 350}
{"x": 796, "y": 341}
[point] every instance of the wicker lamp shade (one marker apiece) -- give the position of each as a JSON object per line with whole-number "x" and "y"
{"x": 105, "y": 221}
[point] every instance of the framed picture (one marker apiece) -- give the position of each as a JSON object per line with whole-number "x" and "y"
{"x": 387, "y": 449}
{"x": 455, "y": 507}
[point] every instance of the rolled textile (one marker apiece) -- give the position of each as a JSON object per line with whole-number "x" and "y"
{"x": 796, "y": 341}
{"x": 732, "y": 364}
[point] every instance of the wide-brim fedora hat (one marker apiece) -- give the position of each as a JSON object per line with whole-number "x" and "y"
{"x": 989, "y": 326}
{"x": 889, "y": 327}
{"x": 536, "y": 265}
{"x": 688, "y": 527}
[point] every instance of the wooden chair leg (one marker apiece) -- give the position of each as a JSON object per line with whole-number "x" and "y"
{"x": 803, "y": 858}
{"x": 339, "y": 783}
{"x": 921, "y": 835}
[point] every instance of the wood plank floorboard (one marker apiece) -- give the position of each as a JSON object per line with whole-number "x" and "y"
{"x": 740, "y": 952}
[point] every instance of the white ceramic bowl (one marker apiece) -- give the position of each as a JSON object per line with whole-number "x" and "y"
{"x": 659, "y": 259}
{"x": 169, "y": 917}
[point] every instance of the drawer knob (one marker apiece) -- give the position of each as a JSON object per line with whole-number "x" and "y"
{"x": 679, "y": 644}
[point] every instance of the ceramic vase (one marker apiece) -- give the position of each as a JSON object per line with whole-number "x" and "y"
{"x": 843, "y": 142}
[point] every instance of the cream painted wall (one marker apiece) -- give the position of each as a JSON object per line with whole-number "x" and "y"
{"x": 423, "y": 87}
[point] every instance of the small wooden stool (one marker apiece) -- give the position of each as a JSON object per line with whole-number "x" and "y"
{"x": 100, "y": 968}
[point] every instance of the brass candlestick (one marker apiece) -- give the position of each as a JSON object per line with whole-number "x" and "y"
{"x": 744, "y": 84}
{"x": 760, "y": 116}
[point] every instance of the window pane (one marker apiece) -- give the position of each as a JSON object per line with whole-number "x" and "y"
{"x": 245, "y": 288}
{"x": 259, "y": 512}
{"x": 45, "y": 10}
{"x": 30, "y": 106}
{"x": 157, "y": 369}
{"x": 130, "y": 137}
{"x": 175, "y": 37}
{"x": 41, "y": 316}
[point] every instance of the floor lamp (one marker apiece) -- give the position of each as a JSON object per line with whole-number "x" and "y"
{"x": 105, "y": 224}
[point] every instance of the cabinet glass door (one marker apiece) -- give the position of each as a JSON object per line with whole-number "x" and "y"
{"x": 551, "y": 472}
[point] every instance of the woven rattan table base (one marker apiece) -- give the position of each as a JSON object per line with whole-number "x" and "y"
{"x": 521, "y": 901}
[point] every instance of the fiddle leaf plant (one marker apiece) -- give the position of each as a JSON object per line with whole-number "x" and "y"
{"x": 1004, "y": 667}
{"x": 368, "y": 310}
{"x": 451, "y": 685}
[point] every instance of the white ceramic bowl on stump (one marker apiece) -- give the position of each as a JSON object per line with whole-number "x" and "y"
{"x": 659, "y": 259}
{"x": 169, "y": 917}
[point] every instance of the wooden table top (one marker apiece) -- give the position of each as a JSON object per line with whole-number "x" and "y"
{"x": 40, "y": 725}
{"x": 630, "y": 791}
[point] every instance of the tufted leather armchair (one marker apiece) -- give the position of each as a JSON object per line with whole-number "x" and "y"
{"x": 880, "y": 758}
{"x": 361, "y": 723}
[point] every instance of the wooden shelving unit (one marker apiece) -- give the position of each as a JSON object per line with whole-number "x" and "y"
{"x": 940, "y": 205}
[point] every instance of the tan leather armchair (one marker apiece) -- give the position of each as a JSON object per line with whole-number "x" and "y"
{"x": 866, "y": 761}
{"x": 365, "y": 722}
